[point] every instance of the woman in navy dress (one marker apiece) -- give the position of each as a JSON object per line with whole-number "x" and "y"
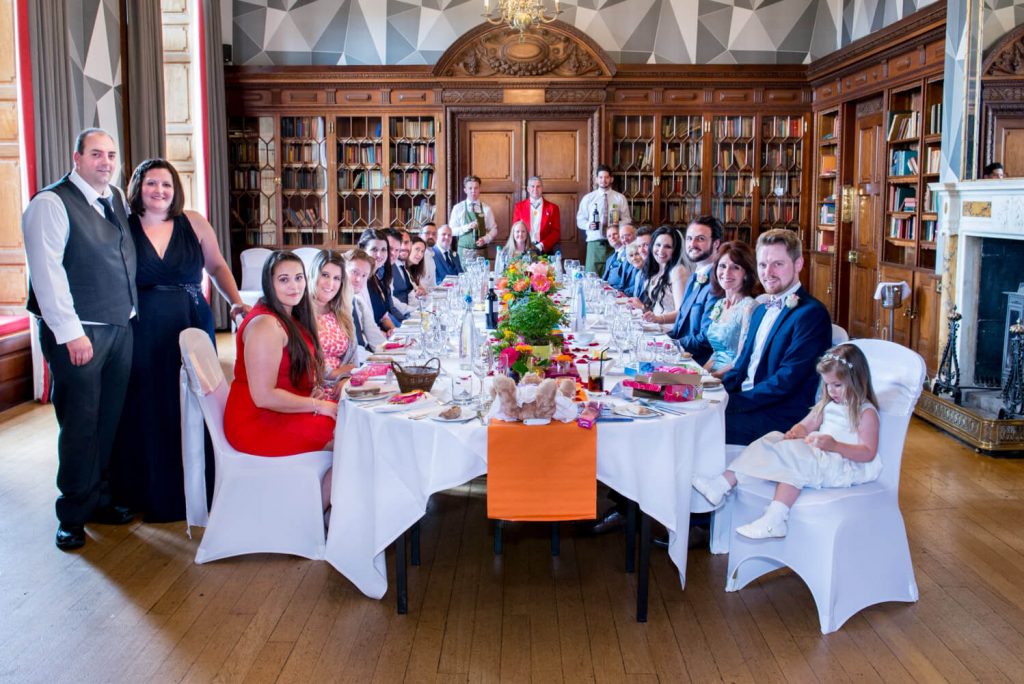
{"x": 173, "y": 247}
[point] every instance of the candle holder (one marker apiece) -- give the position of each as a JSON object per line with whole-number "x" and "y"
{"x": 1013, "y": 388}
{"x": 947, "y": 380}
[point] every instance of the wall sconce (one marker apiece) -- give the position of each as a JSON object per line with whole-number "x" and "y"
{"x": 846, "y": 206}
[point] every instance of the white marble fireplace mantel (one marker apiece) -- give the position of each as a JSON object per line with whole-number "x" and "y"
{"x": 970, "y": 211}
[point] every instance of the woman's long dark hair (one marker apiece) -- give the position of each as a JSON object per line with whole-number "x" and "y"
{"x": 417, "y": 271}
{"x": 651, "y": 267}
{"x": 135, "y": 188}
{"x": 303, "y": 364}
{"x": 368, "y": 236}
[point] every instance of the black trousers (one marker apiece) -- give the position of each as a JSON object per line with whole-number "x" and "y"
{"x": 87, "y": 400}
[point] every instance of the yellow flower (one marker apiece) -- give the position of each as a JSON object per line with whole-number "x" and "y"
{"x": 524, "y": 348}
{"x": 509, "y": 334}
{"x": 507, "y": 297}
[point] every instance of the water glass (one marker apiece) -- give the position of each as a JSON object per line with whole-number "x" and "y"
{"x": 463, "y": 388}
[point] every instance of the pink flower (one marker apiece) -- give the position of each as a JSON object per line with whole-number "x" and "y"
{"x": 540, "y": 283}
{"x": 520, "y": 285}
{"x": 538, "y": 269}
{"x": 508, "y": 357}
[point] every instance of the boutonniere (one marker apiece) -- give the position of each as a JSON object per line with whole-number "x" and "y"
{"x": 792, "y": 301}
{"x": 716, "y": 312}
{"x": 702, "y": 278}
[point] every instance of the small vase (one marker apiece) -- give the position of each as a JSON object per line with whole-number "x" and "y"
{"x": 542, "y": 351}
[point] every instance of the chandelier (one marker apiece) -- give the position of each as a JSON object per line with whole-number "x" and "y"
{"x": 520, "y": 14}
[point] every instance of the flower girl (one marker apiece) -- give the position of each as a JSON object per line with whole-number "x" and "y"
{"x": 833, "y": 446}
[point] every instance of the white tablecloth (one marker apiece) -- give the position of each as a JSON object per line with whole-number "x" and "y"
{"x": 386, "y": 466}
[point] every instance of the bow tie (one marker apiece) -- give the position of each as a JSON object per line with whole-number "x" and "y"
{"x": 775, "y": 302}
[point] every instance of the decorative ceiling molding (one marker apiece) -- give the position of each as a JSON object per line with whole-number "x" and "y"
{"x": 555, "y": 51}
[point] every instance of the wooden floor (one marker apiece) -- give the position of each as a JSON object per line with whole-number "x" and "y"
{"x": 133, "y": 607}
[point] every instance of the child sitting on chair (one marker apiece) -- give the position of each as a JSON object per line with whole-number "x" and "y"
{"x": 834, "y": 446}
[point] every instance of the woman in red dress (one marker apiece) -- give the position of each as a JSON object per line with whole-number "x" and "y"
{"x": 271, "y": 409}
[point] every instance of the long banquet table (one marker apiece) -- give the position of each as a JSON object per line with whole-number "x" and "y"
{"x": 386, "y": 466}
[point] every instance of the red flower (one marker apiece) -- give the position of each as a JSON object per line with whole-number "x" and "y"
{"x": 540, "y": 283}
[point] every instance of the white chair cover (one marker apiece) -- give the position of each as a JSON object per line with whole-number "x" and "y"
{"x": 839, "y": 335}
{"x": 260, "y": 505}
{"x": 193, "y": 456}
{"x": 307, "y": 254}
{"x": 848, "y": 544}
{"x": 252, "y": 274}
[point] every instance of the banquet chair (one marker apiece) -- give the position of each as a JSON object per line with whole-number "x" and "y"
{"x": 307, "y": 254}
{"x": 252, "y": 274}
{"x": 839, "y": 335}
{"x": 260, "y": 504}
{"x": 849, "y": 545}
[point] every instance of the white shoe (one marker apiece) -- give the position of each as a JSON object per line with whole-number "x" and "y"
{"x": 714, "y": 489}
{"x": 768, "y": 526}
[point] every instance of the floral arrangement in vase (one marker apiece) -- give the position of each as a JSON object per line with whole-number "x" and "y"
{"x": 531, "y": 317}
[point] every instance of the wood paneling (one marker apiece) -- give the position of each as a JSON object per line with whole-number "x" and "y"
{"x": 867, "y": 174}
{"x": 557, "y": 151}
{"x": 12, "y": 251}
{"x": 303, "y": 97}
{"x": 1009, "y": 145}
{"x": 352, "y": 97}
{"x": 493, "y": 151}
{"x": 820, "y": 267}
{"x": 412, "y": 96}
{"x": 10, "y": 204}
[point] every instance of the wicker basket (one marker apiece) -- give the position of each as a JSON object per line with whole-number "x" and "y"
{"x": 417, "y": 377}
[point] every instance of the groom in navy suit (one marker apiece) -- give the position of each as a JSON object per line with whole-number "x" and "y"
{"x": 773, "y": 382}
{"x": 703, "y": 236}
{"x": 446, "y": 262}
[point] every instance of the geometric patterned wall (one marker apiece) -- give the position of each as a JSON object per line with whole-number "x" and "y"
{"x": 1001, "y": 17}
{"x": 862, "y": 17}
{"x": 354, "y": 32}
{"x": 94, "y": 49}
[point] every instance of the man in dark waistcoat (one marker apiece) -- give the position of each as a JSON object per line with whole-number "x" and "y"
{"x": 81, "y": 260}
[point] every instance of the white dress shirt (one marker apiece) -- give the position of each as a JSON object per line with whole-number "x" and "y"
{"x": 461, "y": 225}
{"x": 429, "y": 268}
{"x": 46, "y": 228}
{"x": 770, "y": 316}
{"x": 595, "y": 200}
{"x": 375, "y": 337}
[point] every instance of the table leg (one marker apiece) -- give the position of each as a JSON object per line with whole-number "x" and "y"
{"x": 645, "y": 561}
{"x": 556, "y": 539}
{"x": 401, "y": 577}
{"x": 631, "y": 508}
{"x": 498, "y": 540}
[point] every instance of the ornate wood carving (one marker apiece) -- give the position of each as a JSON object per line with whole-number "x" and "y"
{"x": 574, "y": 95}
{"x": 1006, "y": 58}
{"x": 556, "y": 50}
{"x": 472, "y": 96}
{"x": 867, "y": 107}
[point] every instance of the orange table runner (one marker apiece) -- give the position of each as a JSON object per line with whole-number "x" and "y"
{"x": 544, "y": 472}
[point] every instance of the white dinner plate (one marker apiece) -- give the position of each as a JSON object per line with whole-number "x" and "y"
{"x": 634, "y": 411}
{"x": 383, "y": 394}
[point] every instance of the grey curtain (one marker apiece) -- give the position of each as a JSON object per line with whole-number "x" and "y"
{"x": 51, "y": 80}
{"x": 145, "y": 93}
{"x": 217, "y": 164}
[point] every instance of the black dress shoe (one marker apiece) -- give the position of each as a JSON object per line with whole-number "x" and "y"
{"x": 112, "y": 515}
{"x": 613, "y": 521}
{"x": 70, "y": 537}
{"x": 661, "y": 541}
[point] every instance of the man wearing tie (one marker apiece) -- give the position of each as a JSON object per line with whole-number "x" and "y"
{"x": 703, "y": 236}
{"x": 599, "y": 209}
{"x": 627, "y": 234}
{"x": 446, "y": 262}
{"x": 541, "y": 216}
{"x": 472, "y": 221}
{"x": 773, "y": 383}
{"x": 81, "y": 261}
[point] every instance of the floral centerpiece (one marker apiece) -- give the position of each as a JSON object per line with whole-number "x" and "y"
{"x": 528, "y": 324}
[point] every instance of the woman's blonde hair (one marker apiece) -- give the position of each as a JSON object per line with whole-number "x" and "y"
{"x": 510, "y": 244}
{"x": 341, "y": 304}
{"x": 851, "y": 367}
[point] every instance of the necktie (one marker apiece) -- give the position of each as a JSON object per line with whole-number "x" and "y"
{"x": 108, "y": 211}
{"x": 360, "y": 337}
{"x": 774, "y": 302}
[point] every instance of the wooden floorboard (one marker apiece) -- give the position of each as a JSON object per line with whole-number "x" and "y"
{"x": 133, "y": 606}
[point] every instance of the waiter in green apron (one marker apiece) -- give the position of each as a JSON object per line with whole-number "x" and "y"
{"x": 472, "y": 222}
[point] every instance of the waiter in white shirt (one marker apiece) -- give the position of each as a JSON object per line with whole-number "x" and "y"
{"x": 472, "y": 221}
{"x": 598, "y": 210}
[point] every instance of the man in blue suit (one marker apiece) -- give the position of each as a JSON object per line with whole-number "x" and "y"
{"x": 446, "y": 262}
{"x": 703, "y": 236}
{"x": 773, "y": 383}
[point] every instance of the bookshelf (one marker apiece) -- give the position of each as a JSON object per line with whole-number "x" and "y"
{"x": 682, "y": 159}
{"x": 732, "y": 174}
{"x": 303, "y": 180}
{"x": 931, "y": 140}
{"x": 781, "y": 175}
{"x": 412, "y": 147}
{"x": 359, "y": 146}
{"x": 633, "y": 144}
{"x": 253, "y": 188}
{"x": 827, "y": 190}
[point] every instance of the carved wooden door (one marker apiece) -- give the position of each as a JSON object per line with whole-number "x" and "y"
{"x": 504, "y": 154}
{"x": 869, "y": 147}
